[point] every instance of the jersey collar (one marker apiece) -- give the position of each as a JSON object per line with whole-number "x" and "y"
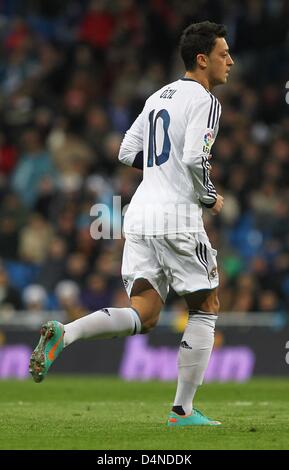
{"x": 185, "y": 79}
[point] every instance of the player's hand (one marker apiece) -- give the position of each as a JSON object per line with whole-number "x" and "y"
{"x": 216, "y": 209}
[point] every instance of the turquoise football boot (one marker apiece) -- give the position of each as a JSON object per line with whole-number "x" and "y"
{"x": 195, "y": 419}
{"x": 49, "y": 347}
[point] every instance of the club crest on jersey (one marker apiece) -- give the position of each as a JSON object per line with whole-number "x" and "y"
{"x": 208, "y": 142}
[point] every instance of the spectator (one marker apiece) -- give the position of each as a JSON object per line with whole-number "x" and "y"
{"x": 269, "y": 302}
{"x": 68, "y": 296}
{"x": 53, "y": 267}
{"x": 34, "y": 298}
{"x": 35, "y": 240}
{"x": 10, "y": 299}
{"x": 8, "y": 155}
{"x": 34, "y": 164}
{"x": 76, "y": 268}
{"x": 96, "y": 293}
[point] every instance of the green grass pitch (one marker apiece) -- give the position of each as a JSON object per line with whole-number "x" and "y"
{"x": 108, "y": 413}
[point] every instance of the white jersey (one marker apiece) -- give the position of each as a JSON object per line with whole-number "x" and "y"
{"x": 173, "y": 136}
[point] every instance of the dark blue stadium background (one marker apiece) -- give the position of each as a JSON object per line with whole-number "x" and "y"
{"x": 73, "y": 76}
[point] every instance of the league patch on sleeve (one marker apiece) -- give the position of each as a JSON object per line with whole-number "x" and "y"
{"x": 208, "y": 142}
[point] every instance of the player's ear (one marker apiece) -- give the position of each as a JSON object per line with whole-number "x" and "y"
{"x": 202, "y": 61}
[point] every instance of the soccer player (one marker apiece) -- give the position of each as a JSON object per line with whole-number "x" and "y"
{"x": 166, "y": 244}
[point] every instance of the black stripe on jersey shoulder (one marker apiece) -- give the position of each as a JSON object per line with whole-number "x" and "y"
{"x": 215, "y": 114}
{"x": 218, "y": 112}
{"x": 210, "y": 113}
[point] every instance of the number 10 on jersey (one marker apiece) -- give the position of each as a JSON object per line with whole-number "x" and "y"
{"x": 152, "y": 152}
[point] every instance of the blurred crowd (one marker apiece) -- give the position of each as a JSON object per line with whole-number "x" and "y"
{"x": 73, "y": 77}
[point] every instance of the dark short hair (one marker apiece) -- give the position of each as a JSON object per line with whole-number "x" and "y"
{"x": 199, "y": 38}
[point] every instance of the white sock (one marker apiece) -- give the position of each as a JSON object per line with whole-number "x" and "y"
{"x": 194, "y": 354}
{"x": 105, "y": 323}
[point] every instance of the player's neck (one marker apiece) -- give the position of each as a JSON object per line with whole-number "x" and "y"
{"x": 200, "y": 79}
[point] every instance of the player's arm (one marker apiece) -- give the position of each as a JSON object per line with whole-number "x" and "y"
{"x": 131, "y": 149}
{"x": 198, "y": 141}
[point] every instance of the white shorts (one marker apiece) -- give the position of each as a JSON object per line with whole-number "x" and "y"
{"x": 187, "y": 262}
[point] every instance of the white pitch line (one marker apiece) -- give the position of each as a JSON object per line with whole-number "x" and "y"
{"x": 241, "y": 403}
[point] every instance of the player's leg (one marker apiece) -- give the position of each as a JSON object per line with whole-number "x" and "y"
{"x": 104, "y": 323}
{"x": 146, "y": 286}
{"x": 194, "y": 354}
{"x": 109, "y": 322}
{"x": 147, "y": 302}
{"x": 193, "y": 268}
